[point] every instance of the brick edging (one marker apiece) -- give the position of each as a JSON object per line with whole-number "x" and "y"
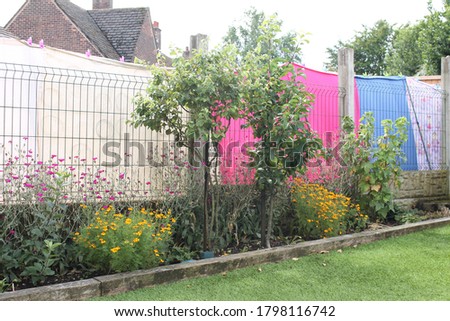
{"x": 121, "y": 282}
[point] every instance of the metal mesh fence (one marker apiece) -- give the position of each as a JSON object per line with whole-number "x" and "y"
{"x": 75, "y": 121}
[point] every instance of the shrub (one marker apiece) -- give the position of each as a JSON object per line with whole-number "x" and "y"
{"x": 118, "y": 242}
{"x": 373, "y": 163}
{"x": 40, "y": 209}
{"x": 321, "y": 213}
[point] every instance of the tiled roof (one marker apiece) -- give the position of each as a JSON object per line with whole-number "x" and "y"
{"x": 122, "y": 27}
{"x": 83, "y": 20}
{"x": 5, "y": 34}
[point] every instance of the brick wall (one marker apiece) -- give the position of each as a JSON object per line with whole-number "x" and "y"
{"x": 42, "y": 19}
{"x": 145, "y": 46}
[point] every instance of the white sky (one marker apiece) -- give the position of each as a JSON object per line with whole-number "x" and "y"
{"x": 326, "y": 21}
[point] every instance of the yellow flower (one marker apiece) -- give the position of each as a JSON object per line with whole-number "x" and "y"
{"x": 115, "y": 249}
{"x": 135, "y": 240}
{"x": 128, "y": 221}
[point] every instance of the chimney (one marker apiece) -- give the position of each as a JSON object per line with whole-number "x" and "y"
{"x": 102, "y": 4}
{"x": 199, "y": 42}
{"x": 157, "y": 34}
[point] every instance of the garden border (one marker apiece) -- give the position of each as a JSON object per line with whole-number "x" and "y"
{"x": 121, "y": 282}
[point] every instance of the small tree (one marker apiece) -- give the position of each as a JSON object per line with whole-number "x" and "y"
{"x": 276, "y": 105}
{"x": 193, "y": 101}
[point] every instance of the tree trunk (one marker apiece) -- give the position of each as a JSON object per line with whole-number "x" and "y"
{"x": 263, "y": 216}
{"x": 269, "y": 221}
{"x": 206, "y": 245}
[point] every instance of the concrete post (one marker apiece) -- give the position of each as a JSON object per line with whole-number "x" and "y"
{"x": 346, "y": 83}
{"x": 445, "y": 72}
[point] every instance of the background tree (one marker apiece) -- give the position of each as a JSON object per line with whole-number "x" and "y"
{"x": 405, "y": 58}
{"x": 371, "y": 46}
{"x": 245, "y": 37}
{"x": 434, "y": 39}
{"x": 408, "y": 50}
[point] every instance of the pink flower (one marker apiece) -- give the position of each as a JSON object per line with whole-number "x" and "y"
{"x": 25, "y": 138}
{"x": 121, "y": 175}
{"x": 41, "y": 44}
{"x": 61, "y": 159}
{"x": 30, "y": 41}
{"x": 112, "y": 198}
{"x": 148, "y": 183}
{"x": 40, "y": 163}
{"x": 122, "y": 59}
{"x": 28, "y": 185}
{"x": 88, "y": 53}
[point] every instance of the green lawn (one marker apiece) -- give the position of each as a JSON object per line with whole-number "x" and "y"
{"x": 407, "y": 268}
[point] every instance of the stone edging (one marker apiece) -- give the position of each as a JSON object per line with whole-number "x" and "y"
{"x": 121, "y": 282}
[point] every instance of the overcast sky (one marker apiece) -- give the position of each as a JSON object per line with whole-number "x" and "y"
{"x": 326, "y": 21}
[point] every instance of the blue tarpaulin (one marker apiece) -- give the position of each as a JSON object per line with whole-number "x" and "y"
{"x": 386, "y": 98}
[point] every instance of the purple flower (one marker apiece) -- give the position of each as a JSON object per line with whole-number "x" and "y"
{"x": 121, "y": 175}
{"x": 41, "y": 44}
{"x": 122, "y": 59}
{"x": 88, "y": 53}
{"x": 30, "y": 41}
{"x": 61, "y": 159}
{"x": 28, "y": 185}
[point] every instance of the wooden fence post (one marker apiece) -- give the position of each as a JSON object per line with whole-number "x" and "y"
{"x": 445, "y": 81}
{"x": 346, "y": 83}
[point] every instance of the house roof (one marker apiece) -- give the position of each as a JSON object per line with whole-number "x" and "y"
{"x": 83, "y": 20}
{"x": 5, "y": 34}
{"x": 122, "y": 27}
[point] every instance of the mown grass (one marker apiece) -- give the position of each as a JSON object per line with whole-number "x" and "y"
{"x": 407, "y": 268}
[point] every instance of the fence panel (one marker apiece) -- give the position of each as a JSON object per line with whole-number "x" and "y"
{"x": 76, "y": 120}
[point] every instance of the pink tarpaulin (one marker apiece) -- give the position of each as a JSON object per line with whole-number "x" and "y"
{"x": 323, "y": 118}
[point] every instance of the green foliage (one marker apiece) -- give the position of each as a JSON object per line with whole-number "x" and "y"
{"x": 374, "y": 163}
{"x": 407, "y": 50}
{"x": 43, "y": 266}
{"x": 434, "y": 40}
{"x": 246, "y": 37}
{"x": 405, "y": 57}
{"x": 371, "y": 45}
{"x": 190, "y": 100}
{"x": 116, "y": 242}
{"x": 321, "y": 213}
